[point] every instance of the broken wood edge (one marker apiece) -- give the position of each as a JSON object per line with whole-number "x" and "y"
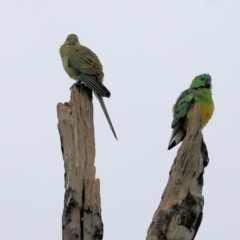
{"x": 81, "y": 218}
{"x": 180, "y": 211}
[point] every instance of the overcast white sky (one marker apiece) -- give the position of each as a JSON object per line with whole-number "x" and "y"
{"x": 150, "y": 50}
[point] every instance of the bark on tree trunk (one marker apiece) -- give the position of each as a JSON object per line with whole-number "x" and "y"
{"x": 81, "y": 219}
{"x": 180, "y": 212}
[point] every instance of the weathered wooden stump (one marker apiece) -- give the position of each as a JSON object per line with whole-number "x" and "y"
{"x": 81, "y": 219}
{"x": 180, "y": 212}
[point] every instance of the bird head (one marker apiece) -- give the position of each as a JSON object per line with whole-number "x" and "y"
{"x": 202, "y": 81}
{"x": 72, "y": 39}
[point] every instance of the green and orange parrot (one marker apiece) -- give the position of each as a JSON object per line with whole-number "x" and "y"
{"x": 199, "y": 93}
{"x": 83, "y": 65}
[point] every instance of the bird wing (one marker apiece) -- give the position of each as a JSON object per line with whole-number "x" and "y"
{"x": 83, "y": 59}
{"x": 182, "y": 106}
{"x": 180, "y": 113}
{"x": 89, "y": 69}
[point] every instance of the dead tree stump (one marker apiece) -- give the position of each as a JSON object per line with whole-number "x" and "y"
{"x": 81, "y": 218}
{"x": 180, "y": 212}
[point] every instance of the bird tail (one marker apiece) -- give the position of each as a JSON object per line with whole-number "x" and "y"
{"x": 95, "y": 85}
{"x": 177, "y": 136}
{"x": 106, "y": 114}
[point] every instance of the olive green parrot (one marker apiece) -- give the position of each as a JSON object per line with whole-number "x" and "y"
{"x": 83, "y": 65}
{"x": 199, "y": 93}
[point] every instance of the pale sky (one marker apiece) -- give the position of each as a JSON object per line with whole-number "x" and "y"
{"x": 151, "y": 51}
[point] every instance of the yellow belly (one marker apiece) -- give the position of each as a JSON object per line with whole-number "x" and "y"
{"x": 64, "y": 52}
{"x": 206, "y": 113}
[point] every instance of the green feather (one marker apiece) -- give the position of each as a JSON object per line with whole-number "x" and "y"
{"x": 83, "y": 65}
{"x": 199, "y": 92}
{"x": 106, "y": 114}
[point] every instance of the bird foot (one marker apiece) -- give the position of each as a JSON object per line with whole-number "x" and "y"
{"x": 77, "y": 84}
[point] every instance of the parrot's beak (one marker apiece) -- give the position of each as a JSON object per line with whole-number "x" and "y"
{"x": 209, "y": 84}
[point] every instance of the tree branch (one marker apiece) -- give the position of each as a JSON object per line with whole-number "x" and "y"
{"x": 81, "y": 219}
{"x": 180, "y": 212}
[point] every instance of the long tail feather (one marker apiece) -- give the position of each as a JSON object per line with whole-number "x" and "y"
{"x": 106, "y": 114}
